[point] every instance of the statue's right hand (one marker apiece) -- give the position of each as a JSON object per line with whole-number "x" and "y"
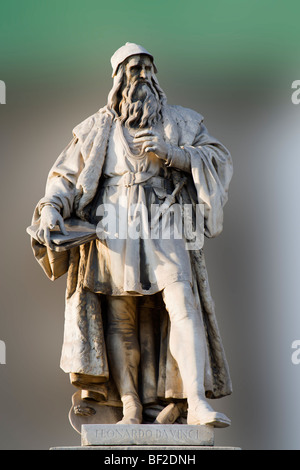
{"x": 50, "y": 218}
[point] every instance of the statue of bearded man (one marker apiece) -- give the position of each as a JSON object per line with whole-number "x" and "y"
{"x": 140, "y": 326}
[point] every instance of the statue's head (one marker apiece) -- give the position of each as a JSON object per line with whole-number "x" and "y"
{"x": 136, "y": 95}
{"x": 125, "y": 52}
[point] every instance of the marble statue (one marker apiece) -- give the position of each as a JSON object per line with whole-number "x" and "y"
{"x": 141, "y": 340}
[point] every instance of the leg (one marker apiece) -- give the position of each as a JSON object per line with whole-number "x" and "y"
{"x": 187, "y": 345}
{"x": 124, "y": 354}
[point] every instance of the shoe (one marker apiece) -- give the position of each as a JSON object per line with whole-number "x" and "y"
{"x": 203, "y": 415}
{"x": 132, "y": 410}
{"x": 213, "y": 418}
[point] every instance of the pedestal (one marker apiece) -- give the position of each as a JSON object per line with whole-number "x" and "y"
{"x": 146, "y": 435}
{"x": 154, "y": 441}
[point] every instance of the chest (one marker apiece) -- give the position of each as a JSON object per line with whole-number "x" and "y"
{"x": 124, "y": 154}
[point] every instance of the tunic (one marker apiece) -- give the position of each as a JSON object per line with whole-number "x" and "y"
{"x": 129, "y": 259}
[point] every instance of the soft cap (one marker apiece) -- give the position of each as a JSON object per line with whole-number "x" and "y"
{"x": 126, "y": 51}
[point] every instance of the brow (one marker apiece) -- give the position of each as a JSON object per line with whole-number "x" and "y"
{"x": 139, "y": 62}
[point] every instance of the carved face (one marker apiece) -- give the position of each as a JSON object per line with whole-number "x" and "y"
{"x": 139, "y": 68}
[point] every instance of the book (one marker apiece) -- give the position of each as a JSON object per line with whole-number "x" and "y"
{"x": 79, "y": 232}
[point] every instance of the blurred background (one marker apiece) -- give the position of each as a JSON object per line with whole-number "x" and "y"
{"x": 234, "y": 62}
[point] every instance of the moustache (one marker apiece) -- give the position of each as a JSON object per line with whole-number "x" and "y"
{"x": 133, "y": 87}
{"x": 133, "y": 84}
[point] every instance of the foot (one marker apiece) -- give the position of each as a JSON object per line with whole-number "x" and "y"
{"x": 132, "y": 410}
{"x": 202, "y": 414}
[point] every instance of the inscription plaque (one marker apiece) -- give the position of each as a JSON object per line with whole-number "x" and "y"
{"x": 116, "y": 435}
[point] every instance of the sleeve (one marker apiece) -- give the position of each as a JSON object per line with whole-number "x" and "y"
{"x": 61, "y": 183}
{"x": 61, "y": 192}
{"x": 211, "y": 168}
{"x": 179, "y": 158}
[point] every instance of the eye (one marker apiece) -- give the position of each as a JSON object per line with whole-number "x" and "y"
{"x": 135, "y": 68}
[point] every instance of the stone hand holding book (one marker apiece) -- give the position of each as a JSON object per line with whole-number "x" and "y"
{"x": 77, "y": 232}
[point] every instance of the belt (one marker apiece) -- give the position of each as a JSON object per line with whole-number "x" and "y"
{"x": 130, "y": 179}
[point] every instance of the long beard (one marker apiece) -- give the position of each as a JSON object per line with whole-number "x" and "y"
{"x": 140, "y": 106}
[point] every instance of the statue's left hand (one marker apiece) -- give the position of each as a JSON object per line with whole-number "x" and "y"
{"x": 152, "y": 141}
{"x": 50, "y": 217}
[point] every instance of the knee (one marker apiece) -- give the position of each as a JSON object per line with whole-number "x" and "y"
{"x": 121, "y": 315}
{"x": 126, "y": 326}
{"x": 180, "y": 301}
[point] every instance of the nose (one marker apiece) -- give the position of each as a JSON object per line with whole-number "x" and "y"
{"x": 143, "y": 73}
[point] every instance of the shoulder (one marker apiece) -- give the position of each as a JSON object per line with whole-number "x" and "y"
{"x": 185, "y": 122}
{"x": 185, "y": 115}
{"x": 95, "y": 120}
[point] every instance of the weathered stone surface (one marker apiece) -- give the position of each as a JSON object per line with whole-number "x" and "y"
{"x": 146, "y": 435}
